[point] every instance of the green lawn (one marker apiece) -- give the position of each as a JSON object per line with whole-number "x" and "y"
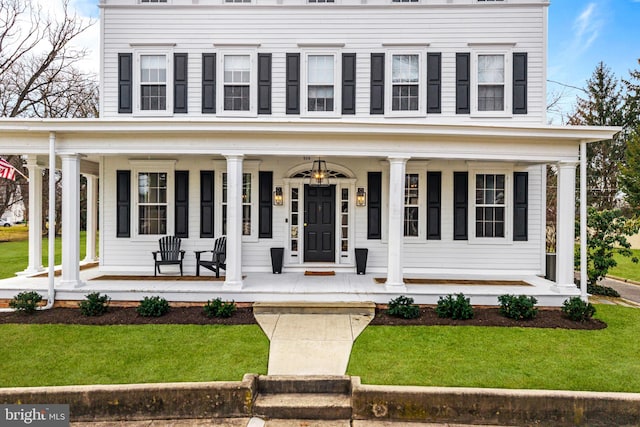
{"x": 14, "y": 256}
{"x": 43, "y": 355}
{"x": 604, "y": 360}
{"x": 626, "y": 268}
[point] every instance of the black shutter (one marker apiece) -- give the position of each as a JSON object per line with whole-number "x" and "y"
{"x": 348, "y": 83}
{"x": 434, "y": 82}
{"x": 374, "y": 207}
{"x": 123, "y": 203}
{"x": 208, "y": 83}
{"x": 434, "y": 203}
{"x": 293, "y": 83}
{"x": 463, "y": 83}
{"x": 125, "y": 82}
{"x": 377, "y": 84}
{"x": 206, "y": 204}
{"x": 520, "y": 206}
{"x": 460, "y": 205}
{"x": 180, "y": 72}
{"x": 265, "y": 212}
{"x": 264, "y": 83}
{"x": 182, "y": 204}
{"x": 520, "y": 83}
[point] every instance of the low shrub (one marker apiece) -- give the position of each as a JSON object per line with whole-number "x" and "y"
{"x": 153, "y": 307}
{"x": 218, "y": 308}
{"x": 26, "y": 302}
{"x": 458, "y": 308}
{"x": 94, "y": 304}
{"x": 578, "y": 310}
{"x": 605, "y": 291}
{"x": 403, "y": 307}
{"x": 519, "y": 307}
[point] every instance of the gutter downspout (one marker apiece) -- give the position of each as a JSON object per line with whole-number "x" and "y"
{"x": 583, "y": 222}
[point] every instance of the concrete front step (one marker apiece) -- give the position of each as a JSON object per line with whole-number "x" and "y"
{"x": 273, "y": 384}
{"x": 302, "y": 307}
{"x": 306, "y": 406}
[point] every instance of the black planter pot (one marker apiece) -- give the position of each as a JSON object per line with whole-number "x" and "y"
{"x": 277, "y": 254}
{"x": 361, "y": 260}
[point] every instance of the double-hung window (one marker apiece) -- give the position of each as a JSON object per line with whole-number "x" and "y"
{"x": 405, "y": 79}
{"x": 152, "y": 203}
{"x": 321, "y": 91}
{"x": 490, "y": 205}
{"x": 153, "y": 82}
{"x": 237, "y": 82}
{"x": 237, "y": 89}
{"x": 321, "y": 84}
{"x": 491, "y": 82}
{"x": 405, "y": 84}
{"x": 246, "y": 204}
{"x": 411, "y": 204}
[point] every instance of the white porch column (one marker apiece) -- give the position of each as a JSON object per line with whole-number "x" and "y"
{"x": 35, "y": 216}
{"x": 583, "y": 222}
{"x": 565, "y": 228}
{"x": 70, "y": 220}
{"x": 234, "y": 222}
{"x": 398, "y": 166}
{"x": 92, "y": 217}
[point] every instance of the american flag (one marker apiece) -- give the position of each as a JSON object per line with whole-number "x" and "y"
{"x": 7, "y": 170}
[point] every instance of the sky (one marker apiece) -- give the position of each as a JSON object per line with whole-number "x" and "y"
{"x": 581, "y": 34}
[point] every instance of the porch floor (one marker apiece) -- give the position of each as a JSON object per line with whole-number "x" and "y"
{"x": 293, "y": 286}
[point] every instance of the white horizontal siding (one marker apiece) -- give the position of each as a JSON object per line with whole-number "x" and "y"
{"x": 278, "y": 30}
{"x": 418, "y": 255}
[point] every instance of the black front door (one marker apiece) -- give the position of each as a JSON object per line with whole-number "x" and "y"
{"x": 319, "y": 223}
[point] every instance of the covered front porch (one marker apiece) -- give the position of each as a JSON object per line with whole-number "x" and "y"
{"x": 483, "y": 289}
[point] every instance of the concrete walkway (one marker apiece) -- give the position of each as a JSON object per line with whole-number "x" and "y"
{"x": 311, "y": 340}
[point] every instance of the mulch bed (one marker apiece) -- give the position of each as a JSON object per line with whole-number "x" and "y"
{"x": 244, "y": 316}
{"x": 484, "y": 316}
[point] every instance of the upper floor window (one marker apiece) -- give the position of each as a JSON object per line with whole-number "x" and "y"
{"x": 238, "y": 93}
{"x": 153, "y": 1}
{"x": 153, "y": 82}
{"x": 321, "y": 1}
{"x": 320, "y": 83}
{"x": 237, "y": 82}
{"x": 405, "y": 83}
{"x": 237, "y": 1}
{"x": 404, "y": 87}
{"x": 320, "y": 89}
{"x": 491, "y": 82}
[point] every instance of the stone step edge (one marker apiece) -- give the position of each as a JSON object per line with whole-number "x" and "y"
{"x": 303, "y": 405}
{"x": 274, "y": 384}
{"x": 303, "y": 307}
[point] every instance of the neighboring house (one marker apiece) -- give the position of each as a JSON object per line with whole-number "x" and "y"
{"x": 428, "y": 116}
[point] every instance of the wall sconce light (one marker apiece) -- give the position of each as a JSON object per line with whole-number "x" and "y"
{"x": 361, "y": 197}
{"x": 278, "y": 198}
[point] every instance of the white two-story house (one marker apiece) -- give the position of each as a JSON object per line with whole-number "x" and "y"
{"x": 413, "y": 128}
